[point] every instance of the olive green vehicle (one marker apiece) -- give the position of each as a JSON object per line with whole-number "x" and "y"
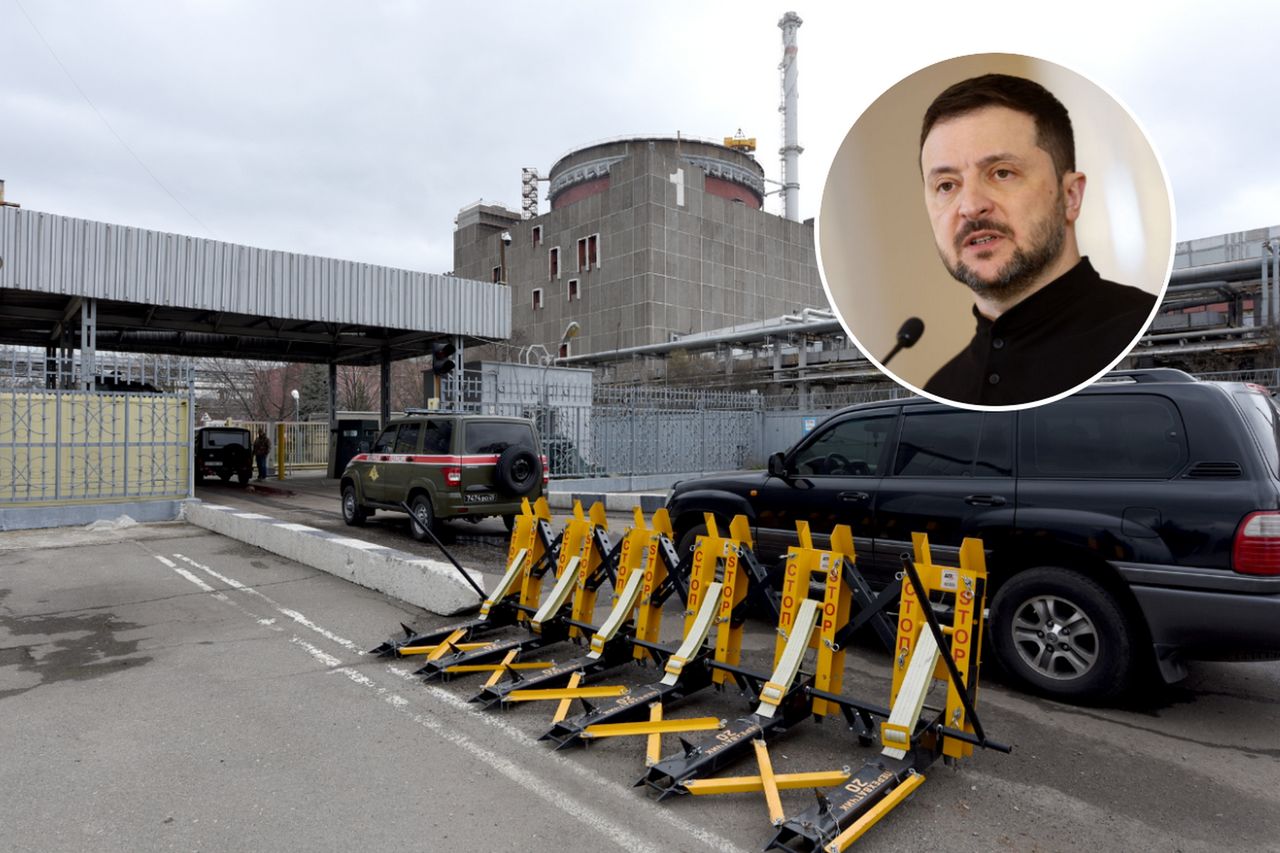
{"x": 446, "y": 466}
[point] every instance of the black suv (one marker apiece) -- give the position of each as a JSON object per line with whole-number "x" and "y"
{"x": 1137, "y": 519}
{"x": 223, "y": 451}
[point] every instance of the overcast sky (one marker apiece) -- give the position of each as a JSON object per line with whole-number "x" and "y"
{"x": 357, "y": 130}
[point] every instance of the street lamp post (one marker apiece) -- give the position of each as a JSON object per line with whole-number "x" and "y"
{"x": 504, "y": 240}
{"x": 570, "y": 332}
{"x": 293, "y": 445}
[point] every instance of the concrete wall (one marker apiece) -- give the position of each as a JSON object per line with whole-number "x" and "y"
{"x": 14, "y": 517}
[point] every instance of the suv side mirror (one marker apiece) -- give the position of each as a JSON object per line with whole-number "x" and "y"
{"x": 777, "y": 467}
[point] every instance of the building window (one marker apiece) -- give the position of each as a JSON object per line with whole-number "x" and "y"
{"x": 574, "y": 293}
{"x": 589, "y": 252}
{"x": 497, "y": 274}
{"x": 537, "y": 236}
{"x": 553, "y": 262}
{"x": 564, "y": 350}
{"x": 537, "y": 299}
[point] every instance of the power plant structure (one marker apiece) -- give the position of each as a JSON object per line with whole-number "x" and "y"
{"x": 647, "y": 240}
{"x": 654, "y": 244}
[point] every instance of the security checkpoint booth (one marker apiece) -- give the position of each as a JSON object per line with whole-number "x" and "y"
{"x": 99, "y": 324}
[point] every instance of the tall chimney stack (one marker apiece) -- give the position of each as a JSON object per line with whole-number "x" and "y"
{"x": 790, "y": 146}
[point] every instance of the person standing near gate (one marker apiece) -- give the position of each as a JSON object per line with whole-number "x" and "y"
{"x": 261, "y": 449}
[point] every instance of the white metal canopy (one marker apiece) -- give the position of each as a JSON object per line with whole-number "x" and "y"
{"x": 157, "y": 292}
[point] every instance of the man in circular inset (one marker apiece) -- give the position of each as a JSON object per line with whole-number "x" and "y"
{"x": 997, "y": 155}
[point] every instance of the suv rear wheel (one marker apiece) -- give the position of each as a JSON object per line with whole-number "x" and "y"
{"x": 1061, "y": 633}
{"x": 423, "y": 517}
{"x": 352, "y": 512}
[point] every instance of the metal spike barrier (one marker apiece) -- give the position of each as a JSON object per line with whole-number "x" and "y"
{"x": 644, "y": 571}
{"x": 611, "y": 644}
{"x": 585, "y": 560}
{"x": 533, "y": 549}
{"x": 910, "y": 745}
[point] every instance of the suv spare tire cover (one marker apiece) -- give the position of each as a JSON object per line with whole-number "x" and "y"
{"x": 237, "y": 456}
{"x": 518, "y": 472}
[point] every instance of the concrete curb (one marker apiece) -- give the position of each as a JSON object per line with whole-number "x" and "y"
{"x": 613, "y": 501}
{"x": 430, "y": 584}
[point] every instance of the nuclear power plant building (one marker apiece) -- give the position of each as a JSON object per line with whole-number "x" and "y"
{"x": 646, "y": 239}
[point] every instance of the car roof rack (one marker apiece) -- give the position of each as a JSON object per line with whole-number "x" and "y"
{"x": 1150, "y": 374}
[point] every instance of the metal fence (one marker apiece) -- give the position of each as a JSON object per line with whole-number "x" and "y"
{"x": 112, "y": 441}
{"x": 591, "y": 430}
{"x": 1267, "y": 377}
{"x": 306, "y": 443}
{"x": 640, "y": 431}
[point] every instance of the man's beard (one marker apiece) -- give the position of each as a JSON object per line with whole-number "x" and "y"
{"x": 1021, "y": 271}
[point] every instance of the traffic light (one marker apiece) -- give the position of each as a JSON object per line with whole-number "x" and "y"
{"x": 442, "y": 359}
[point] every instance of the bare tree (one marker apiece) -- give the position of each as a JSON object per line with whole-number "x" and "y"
{"x": 252, "y": 390}
{"x": 358, "y": 389}
{"x": 406, "y": 383}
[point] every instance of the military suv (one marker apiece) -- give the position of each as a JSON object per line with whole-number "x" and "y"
{"x": 223, "y": 451}
{"x": 446, "y": 466}
{"x": 1136, "y": 521}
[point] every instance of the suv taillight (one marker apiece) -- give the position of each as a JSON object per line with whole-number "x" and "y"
{"x": 546, "y": 475}
{"x": 1256, "y": 550}
{"x": 453, "y": 476}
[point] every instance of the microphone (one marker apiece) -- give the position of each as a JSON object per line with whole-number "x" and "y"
{"x": 908, "y": 334}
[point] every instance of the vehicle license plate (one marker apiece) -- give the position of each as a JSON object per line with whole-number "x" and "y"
{"x": 480, "y": 499}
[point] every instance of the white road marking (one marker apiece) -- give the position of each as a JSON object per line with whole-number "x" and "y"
{"x": 654, "y": 812}
{"x": 297, "y": 528}
{"x": 620, "y": 835}
{"x": 307, "y": 623}
{"x": 322, "y": 656}
{"x": 195, "y": 580}
{"x": 206, "y": 588}
{"x": 283, "y": 611}
{"x": 530, "y": 781}
{"x": 254, "y": 516}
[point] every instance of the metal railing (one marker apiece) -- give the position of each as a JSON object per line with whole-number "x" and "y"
{"x": 1268, "y": 377}
{"x": 306, "y": 443}
{"x": 25, "y": 367}
{"x": 58, "y": 446}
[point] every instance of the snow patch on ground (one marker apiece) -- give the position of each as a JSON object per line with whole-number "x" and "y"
{"x": 120, "y": 522}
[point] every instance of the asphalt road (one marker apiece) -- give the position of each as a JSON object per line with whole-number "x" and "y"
{"x": 164, "y": 688}
{"x": 314, "y": 501}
